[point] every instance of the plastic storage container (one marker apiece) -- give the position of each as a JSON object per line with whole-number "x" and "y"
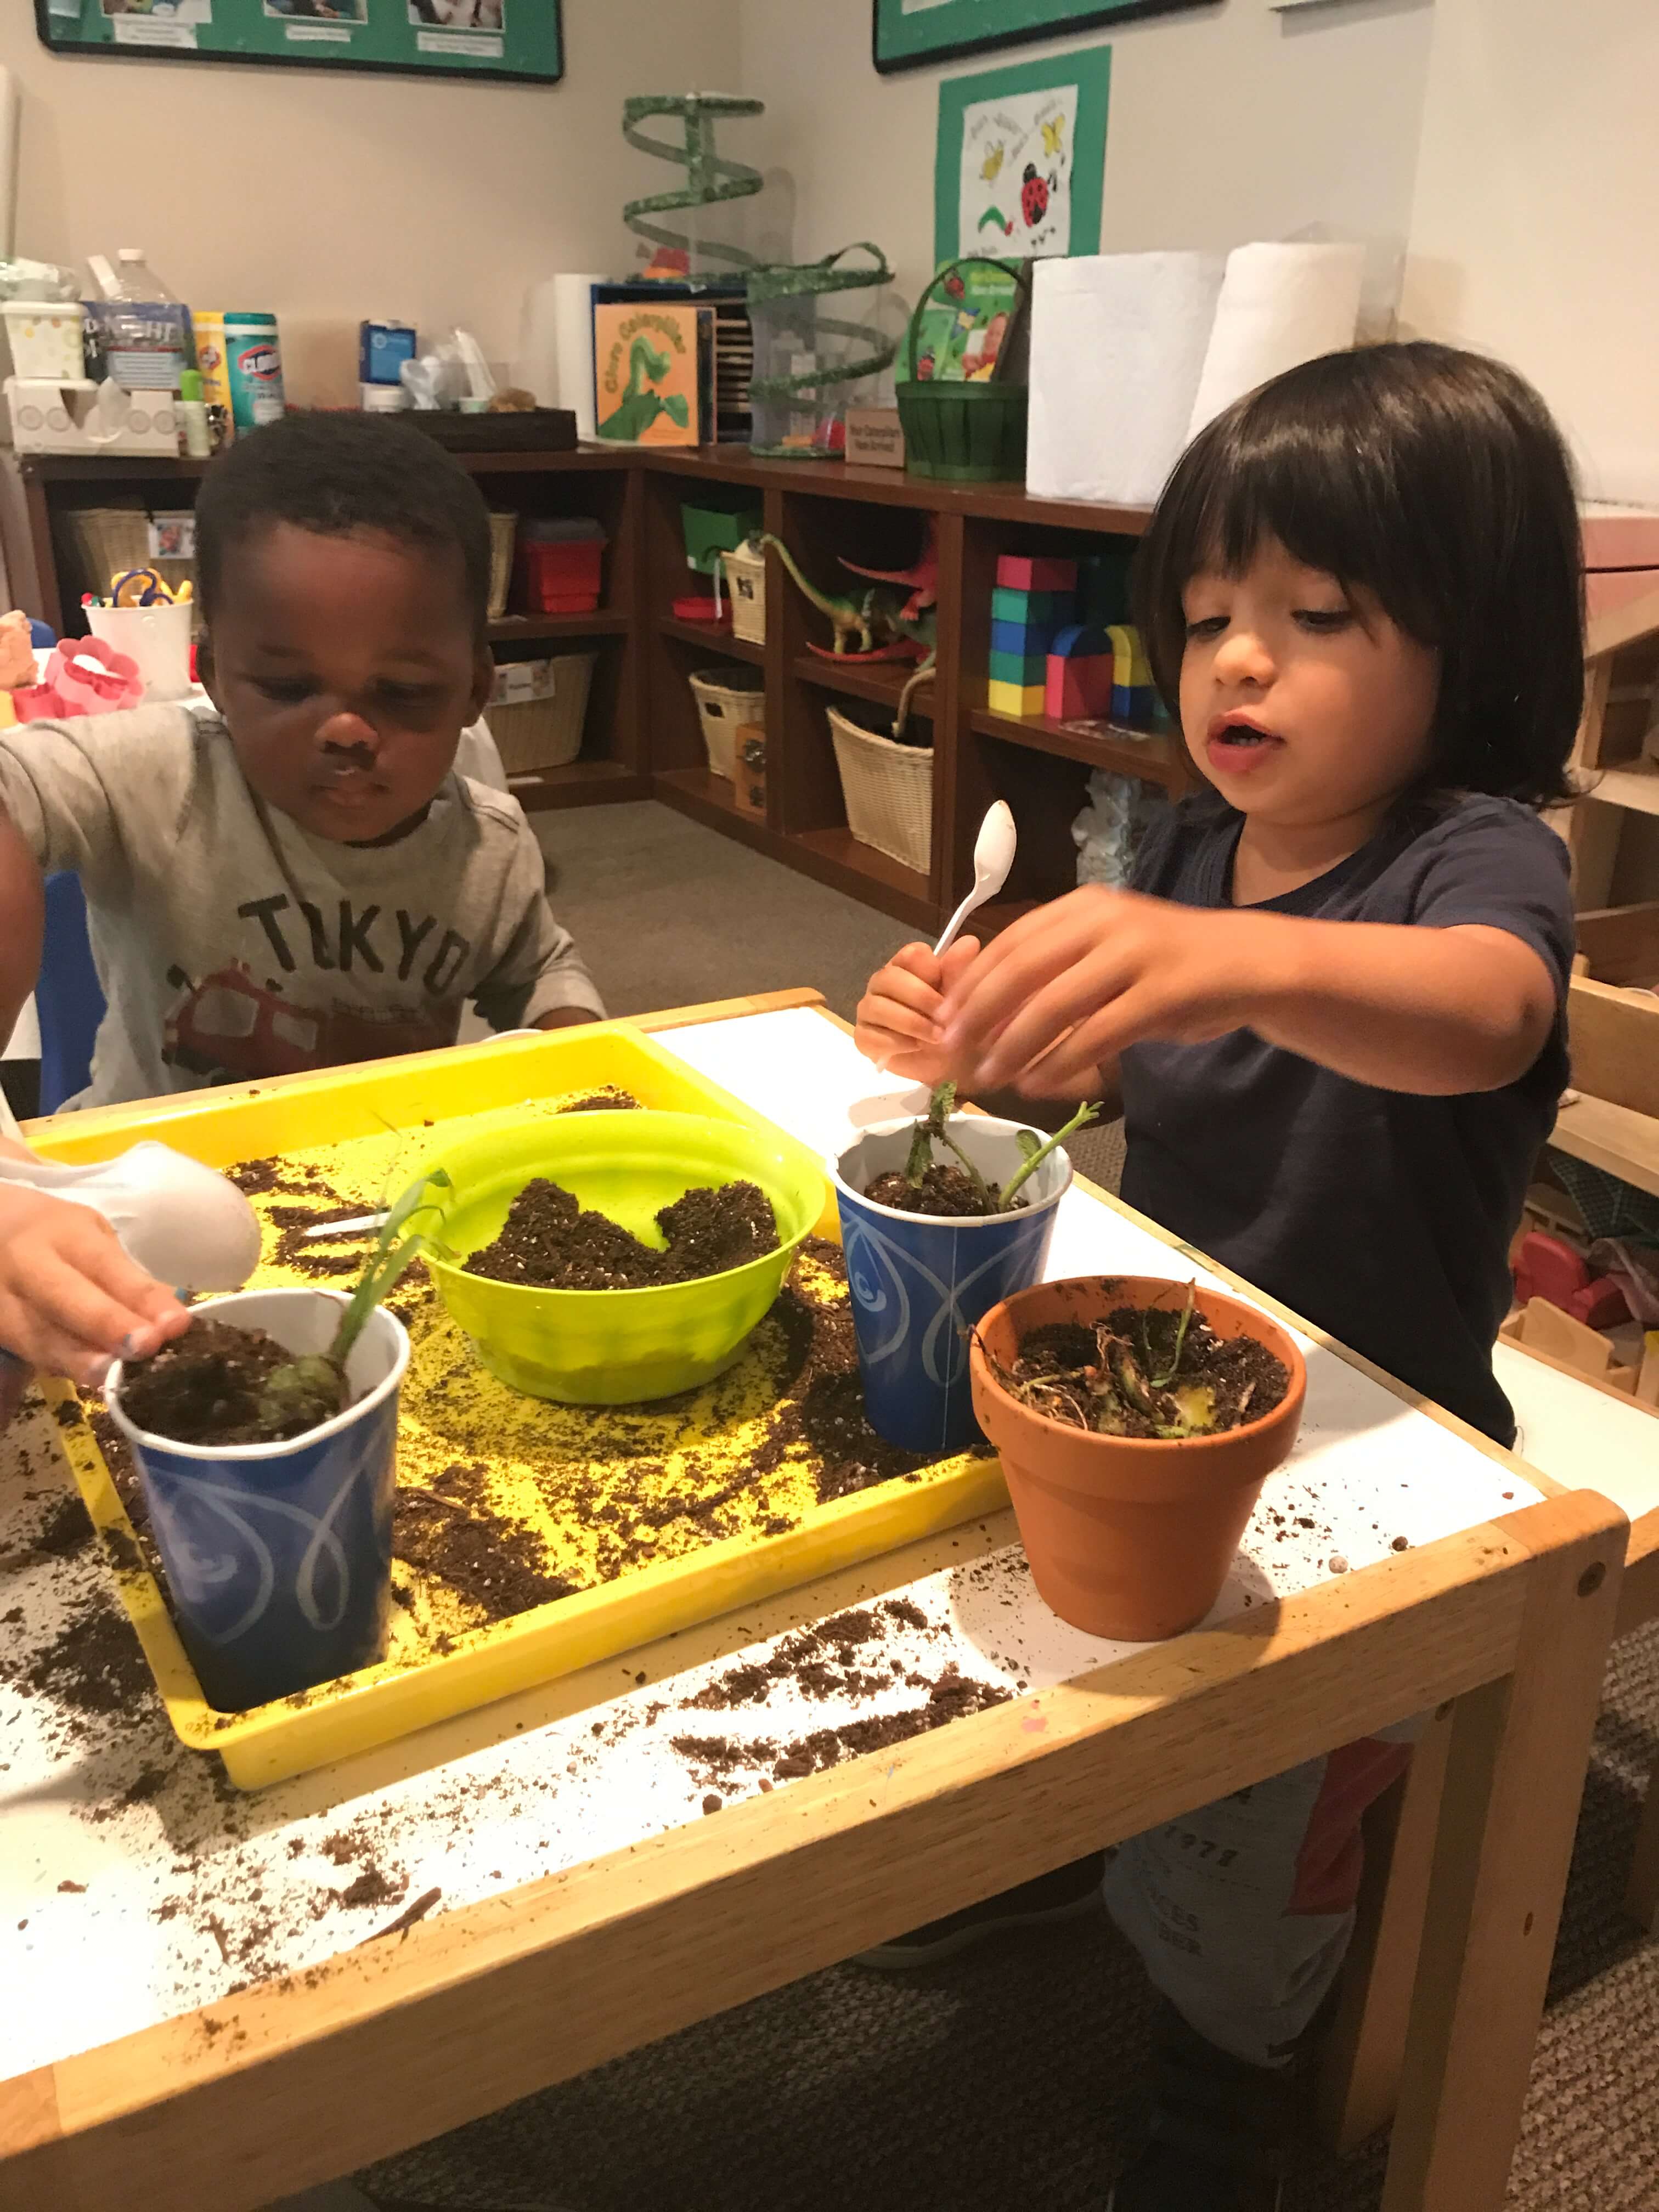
{"x": 560, "y": 566}
{"x": 726, "y": 698}
{"x": 47, "y": 338}
{"x": 253, "y": 357}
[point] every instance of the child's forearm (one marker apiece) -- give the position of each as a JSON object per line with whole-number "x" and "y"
{"x": 23, "y": 923}
{"x": 1436, "y": 1012}
{"x": 1056, "y": 1000}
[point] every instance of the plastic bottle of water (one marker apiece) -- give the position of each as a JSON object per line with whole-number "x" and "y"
{"x": 145, "y": 329}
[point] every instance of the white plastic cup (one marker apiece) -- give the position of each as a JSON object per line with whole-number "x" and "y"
{"x": 47, "y": 338}
{"x": 157, "y": 638}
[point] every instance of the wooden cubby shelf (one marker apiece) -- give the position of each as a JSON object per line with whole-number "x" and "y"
{"x": 538, "y": 630}
{"x": 644, "y": 737}
{"x": 718, "y": 644}
{"x": 1153, "y": 757}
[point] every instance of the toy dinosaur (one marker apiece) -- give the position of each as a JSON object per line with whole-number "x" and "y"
{"x": 639, "y": 408}
{"x": 922, "y": 575}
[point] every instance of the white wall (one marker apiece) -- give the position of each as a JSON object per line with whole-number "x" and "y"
{"x": 1535, "y": 230}
{"x": 1228, "y": 123}
{"x": 330, "y": 198}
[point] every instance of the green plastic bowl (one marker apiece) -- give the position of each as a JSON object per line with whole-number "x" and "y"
{"x": 617, "y": 1347}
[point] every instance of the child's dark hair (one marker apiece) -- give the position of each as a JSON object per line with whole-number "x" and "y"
{"x": 335, "y": 474}
{"x": 1437, "y": 481}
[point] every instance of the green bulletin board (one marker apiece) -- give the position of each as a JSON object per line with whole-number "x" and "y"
{"x": 909, "y": 34}
{"x": 518, "y": 40}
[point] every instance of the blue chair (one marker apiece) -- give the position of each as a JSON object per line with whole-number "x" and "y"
{"x": 70, "y": 1001}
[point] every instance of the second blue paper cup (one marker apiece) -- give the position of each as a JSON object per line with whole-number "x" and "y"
{"x": 920, "y": 1283}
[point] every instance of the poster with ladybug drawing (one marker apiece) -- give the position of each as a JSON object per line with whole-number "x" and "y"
{"x": 1022, "y": 157}
{"x": 1016, "y": 181}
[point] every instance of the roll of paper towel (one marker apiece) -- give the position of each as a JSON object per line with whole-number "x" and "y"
{"x": 556, "y": 346}
{"x": 1279, "y": 305}
{"x": 1118, "y": 346}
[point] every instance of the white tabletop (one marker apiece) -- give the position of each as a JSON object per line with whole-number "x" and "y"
{"x": 116, "y": 1914}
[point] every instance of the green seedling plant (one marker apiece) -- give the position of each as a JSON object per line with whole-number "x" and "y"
{"x": 313, "y": 1389}
{"x": 934, "y": 1127}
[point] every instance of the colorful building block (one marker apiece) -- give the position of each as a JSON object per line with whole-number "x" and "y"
{"x": 1134, "y": 696}
{"x": 1078, "y": 675}
{"x": 1021, "y": 668}
{"x": 1023, "y": 701}
{"x": 1033, "y": 609}
{"x": 1016, "y": 573}
{"x": 1022, "y": 637}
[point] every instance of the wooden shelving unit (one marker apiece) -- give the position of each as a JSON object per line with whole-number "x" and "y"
{"x": 643, "y": 737}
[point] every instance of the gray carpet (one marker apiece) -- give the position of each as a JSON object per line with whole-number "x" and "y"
{"x": 1007, "y": 2079}
{"x": 668, "y": 914}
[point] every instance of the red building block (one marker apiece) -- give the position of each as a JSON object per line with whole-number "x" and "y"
{"x": 1016, "y": 573}
{"x": 1079, "y": 674}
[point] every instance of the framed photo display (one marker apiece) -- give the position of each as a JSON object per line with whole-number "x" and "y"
{"x": 1020, "y": 167}
{"x": 518, "y": 41}
{"x": 910, "y": 34}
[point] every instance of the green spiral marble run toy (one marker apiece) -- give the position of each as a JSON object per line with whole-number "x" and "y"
{"x": 710, "y": 178}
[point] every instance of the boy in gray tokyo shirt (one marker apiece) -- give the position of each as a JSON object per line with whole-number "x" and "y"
{"x": 299, "y": 879}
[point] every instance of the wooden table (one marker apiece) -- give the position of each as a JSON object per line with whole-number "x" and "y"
{"x": 587, "y": 1906}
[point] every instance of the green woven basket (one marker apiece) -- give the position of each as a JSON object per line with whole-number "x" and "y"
{"x": 960, "y": 433}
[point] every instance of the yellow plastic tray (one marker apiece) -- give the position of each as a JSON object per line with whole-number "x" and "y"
{"x": 409, "y": 1691}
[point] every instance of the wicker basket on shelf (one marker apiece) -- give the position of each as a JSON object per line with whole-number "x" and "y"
{"x": 503, "y": 540}
{"x": 889, "y": 791}
{"x": 726, "y": 697}
{"x": 745, "y": 586}
{"x": 536, "y": 713}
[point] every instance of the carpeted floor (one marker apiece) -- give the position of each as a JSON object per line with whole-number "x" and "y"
{"x": 1005, "y": 2081}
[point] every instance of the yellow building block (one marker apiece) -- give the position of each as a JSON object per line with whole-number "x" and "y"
{"x": 1023, "y": 701}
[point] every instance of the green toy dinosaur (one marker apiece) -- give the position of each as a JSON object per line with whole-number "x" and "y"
{"x": 639, "y": 408}
{"x": 865, "y": 624}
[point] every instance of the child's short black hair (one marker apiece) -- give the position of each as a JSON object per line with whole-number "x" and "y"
{"x": 1435, "y": 479}
{"x": 339, "y": 473}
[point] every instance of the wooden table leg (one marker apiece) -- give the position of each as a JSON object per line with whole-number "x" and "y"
{"x": 1518, "y": 1754}
{"x": 1360, "y": 2066}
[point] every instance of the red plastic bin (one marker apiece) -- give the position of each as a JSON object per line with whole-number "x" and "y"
{"x": 562, "y": 576}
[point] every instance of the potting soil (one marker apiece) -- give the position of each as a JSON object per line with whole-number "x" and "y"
{"x": 208, "y": 1386}
{"x": 946, "y": 1191}
{"x": 507, "y": 1503}
{"x": 1244, "y": 1379}
{"x": 549, "y": 1240}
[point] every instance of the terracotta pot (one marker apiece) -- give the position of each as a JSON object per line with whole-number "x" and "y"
{"x": 1128, "y": 1537}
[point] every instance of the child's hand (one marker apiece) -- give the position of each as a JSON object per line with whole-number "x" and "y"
{"x": 1068, "y": 987}
{"x": 898, "y": 1014}
{"x": 70, "y": 1300}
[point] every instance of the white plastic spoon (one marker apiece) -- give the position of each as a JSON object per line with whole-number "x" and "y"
{"x": 993, "y": 856}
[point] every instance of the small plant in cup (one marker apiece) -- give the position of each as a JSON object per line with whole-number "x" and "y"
{"x": 223, "y": 1384}
{"x": 956, "y": 1189}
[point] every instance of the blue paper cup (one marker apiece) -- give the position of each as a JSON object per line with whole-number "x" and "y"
{"x": 278, "y": 1556}
{"x": 919, "y": 1285}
